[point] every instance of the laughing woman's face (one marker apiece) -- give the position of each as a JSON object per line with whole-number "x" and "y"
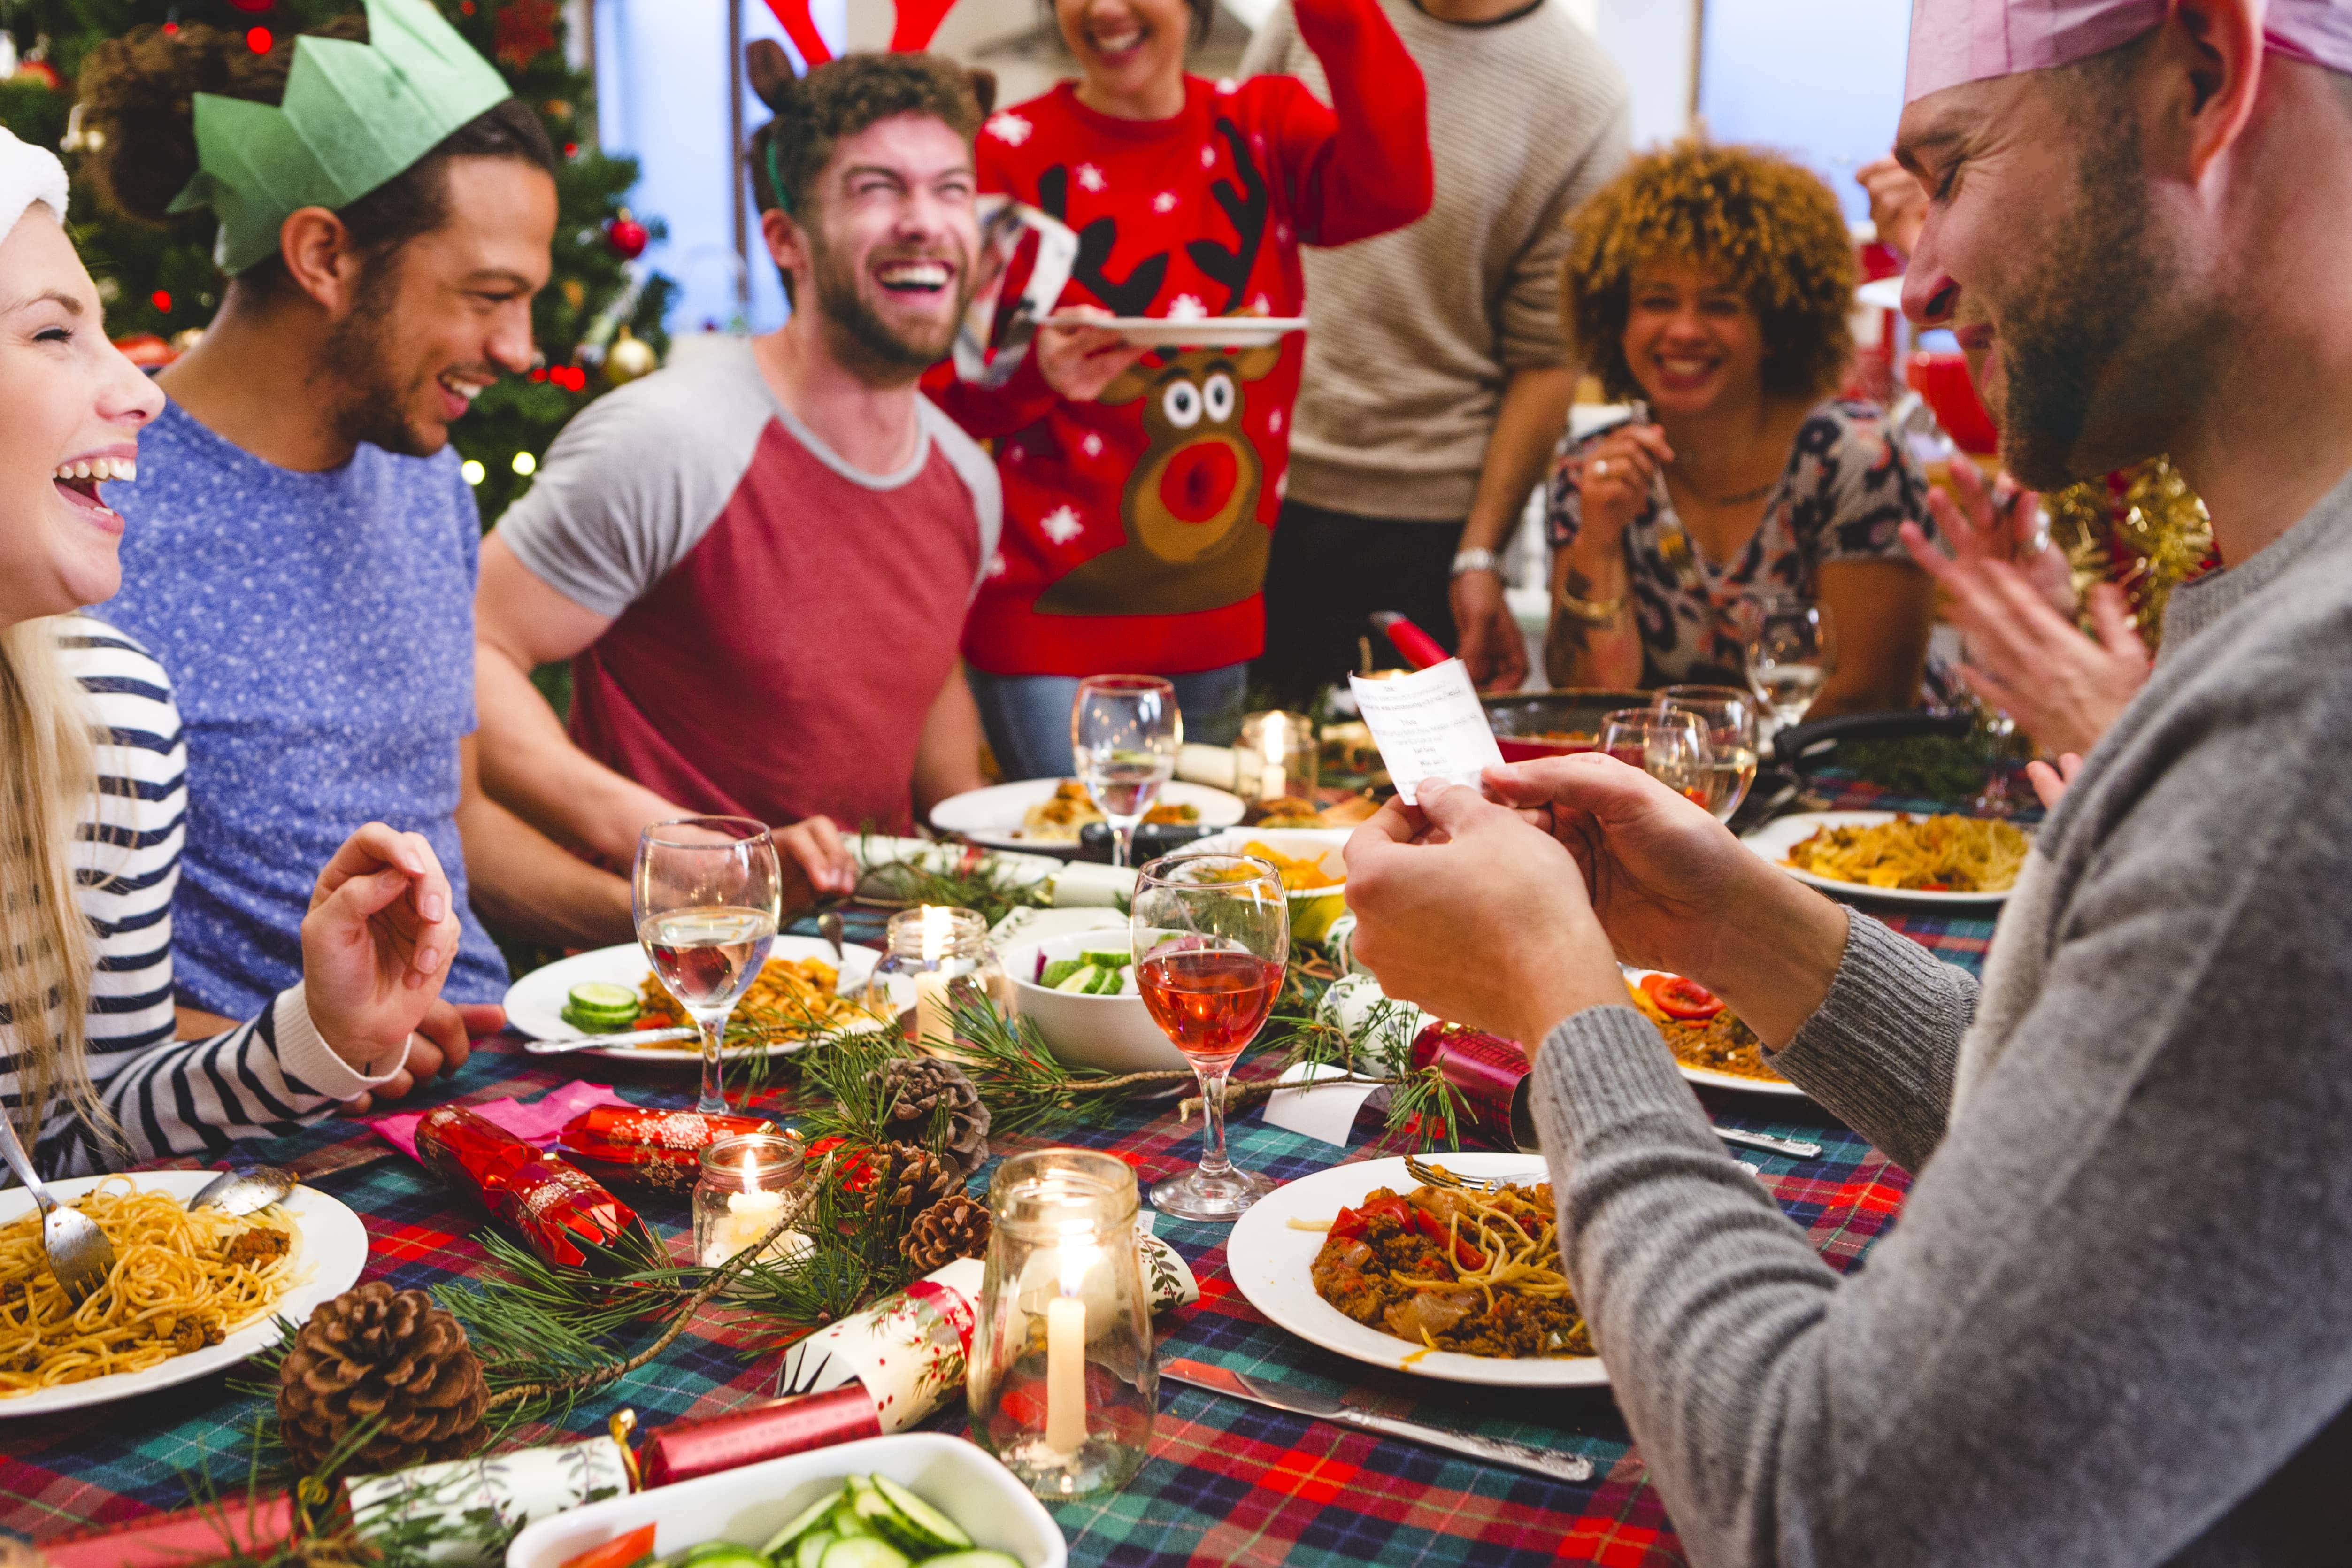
{"x": 70, "y": 410}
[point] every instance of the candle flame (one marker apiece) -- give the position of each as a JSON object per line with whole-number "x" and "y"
{"x": 936, "y": 926}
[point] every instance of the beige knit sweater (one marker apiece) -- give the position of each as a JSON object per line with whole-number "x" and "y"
{"x": 1414, "y": 335}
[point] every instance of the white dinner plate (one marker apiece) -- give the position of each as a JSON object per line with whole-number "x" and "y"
{"x": 1200, "y": 333}
{"x": 1714, "y": 1080}
{"x": 1778, "y": 836}
{"x": 535, "y": 1002}
{"x": 330, "y": 1246}
{"x": 1269, "y": 1263}
{"x": 994, "y": 816}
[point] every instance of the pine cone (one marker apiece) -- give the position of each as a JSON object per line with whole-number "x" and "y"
{"x": 909, "y": 1180}
{"x": 374, "y": 1351}
{"x": 956, "y": 1227}
{"x": 919, "y": 1091}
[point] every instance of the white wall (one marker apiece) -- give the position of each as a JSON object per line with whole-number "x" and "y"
{"x": 1761, "y": 57}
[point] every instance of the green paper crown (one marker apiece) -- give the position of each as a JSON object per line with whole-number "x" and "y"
{"x": 354, "y": 116}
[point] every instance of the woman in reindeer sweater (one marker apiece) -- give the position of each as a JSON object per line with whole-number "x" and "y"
{"x": 1140, "y": 489}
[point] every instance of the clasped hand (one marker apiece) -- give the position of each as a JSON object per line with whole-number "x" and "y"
{"x": 1509, "y": 911}
{"x": 376, "y": 946}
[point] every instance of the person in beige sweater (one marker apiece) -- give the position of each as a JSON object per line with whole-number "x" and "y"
{"x": 1436, "y": 382}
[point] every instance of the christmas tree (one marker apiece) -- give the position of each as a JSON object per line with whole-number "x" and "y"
{"x": 161, "y": 282}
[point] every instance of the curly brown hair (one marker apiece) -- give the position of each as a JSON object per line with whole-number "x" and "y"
{"x": 1769, "y": 225}
{"x": 840, "y": 99}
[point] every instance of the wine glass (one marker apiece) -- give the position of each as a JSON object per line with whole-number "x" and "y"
{"x": 1729, "y": 716}
{"x": 1124, "y": 732}
{"x": 1210, "y": 933}
{"x": 1671, "y": 747}
{"x": 708, "y": 895}
{"x": 1791, "y": 646}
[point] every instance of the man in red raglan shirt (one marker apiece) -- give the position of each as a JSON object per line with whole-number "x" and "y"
{"x": 1140, "y": 490}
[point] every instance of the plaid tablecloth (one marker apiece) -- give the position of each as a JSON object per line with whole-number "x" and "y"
{"x": 1226, "y": 1483}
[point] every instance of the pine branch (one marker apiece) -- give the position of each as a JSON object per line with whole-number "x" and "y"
{"x": 1025, "y": 1087}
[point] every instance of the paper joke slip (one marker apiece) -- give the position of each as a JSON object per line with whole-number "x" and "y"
{"x": 1428, "y": 724}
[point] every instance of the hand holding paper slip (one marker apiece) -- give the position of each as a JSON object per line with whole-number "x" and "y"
{"x": 1428, "y": 724}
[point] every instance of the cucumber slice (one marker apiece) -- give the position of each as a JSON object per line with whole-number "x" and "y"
{"x": 843, "y": 1521}
{"x": 603, "y": 997}
{"x": 863, "y": 1552}
{"x": 1105, "y": 983}
{"x": 801, "y": 1523}
{"x": 1080, "y": 980}
{"x": 810, "y": 1551}
{"x": 940, "y": 1532}
{"x": 1061, "y": 969}
{"x": 720, "y": 1555}
{"x": 1108, "y": 959}
{"x": 978, "y": 1557}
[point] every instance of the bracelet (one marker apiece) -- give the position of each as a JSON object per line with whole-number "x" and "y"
{"x": 1472, "y": 561}
{"x": 1591, "y": 612}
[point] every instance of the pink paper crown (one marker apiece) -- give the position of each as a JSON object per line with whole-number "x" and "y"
{"x": 1953, "y": 41}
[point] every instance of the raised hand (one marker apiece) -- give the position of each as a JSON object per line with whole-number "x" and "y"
{"x": 377, "y": 944}
{"x": 1490, "y": 642}
{"x": 815, "y": 857}
{"x": 1898, "y": 202}
{"x": 1614, "y": 480}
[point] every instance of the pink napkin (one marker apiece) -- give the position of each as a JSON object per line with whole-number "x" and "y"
{"x": 536, "y": 1123}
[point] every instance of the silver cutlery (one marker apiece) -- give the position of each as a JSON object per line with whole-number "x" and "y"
{"x": 828, "y": 926}
{"x": 245, "y": 1189}
{"x": 1796, "y": 1148}
{"x": 79, "y": 1255}
{"x": 627, "y": 1037}
{"x": 1298, "y": 1401}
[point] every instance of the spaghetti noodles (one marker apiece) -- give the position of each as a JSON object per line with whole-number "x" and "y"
{"x": 182, "y": 1280}
{"x": 1942, "y": 854}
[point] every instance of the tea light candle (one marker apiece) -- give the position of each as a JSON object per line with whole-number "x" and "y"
{"x": 745, "y": 1185}
{"x": 1066, "y": 1373}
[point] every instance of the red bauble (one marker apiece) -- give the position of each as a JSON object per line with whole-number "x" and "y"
{"x": 627, "y": 238}
{"x": 525, "y": 30}
{"x": 41, "y": 71}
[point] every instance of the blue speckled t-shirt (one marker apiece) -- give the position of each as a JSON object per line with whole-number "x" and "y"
{"x": 319, "y": 630}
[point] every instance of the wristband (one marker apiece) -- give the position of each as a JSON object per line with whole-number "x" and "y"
{"x": 1472, "y": 560}
{"x": 1591, "y": 612}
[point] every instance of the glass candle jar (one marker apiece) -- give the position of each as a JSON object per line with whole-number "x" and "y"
{"x": 746, "y": 1184}
{"x": 1278, "y": 754}
{"x": 939, "y": 959}
{"x": 1062, "y": 1380}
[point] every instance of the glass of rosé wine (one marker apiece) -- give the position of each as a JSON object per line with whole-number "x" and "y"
{"x": 1212, "y": 933}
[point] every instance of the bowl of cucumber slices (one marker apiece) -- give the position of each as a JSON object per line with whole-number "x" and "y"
{"x": 919, "y": 1500}
{"x": 1079, "y": 990}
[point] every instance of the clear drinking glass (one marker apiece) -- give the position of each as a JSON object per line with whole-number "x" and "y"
{"x": 1671, "y": 747}
{"x": 1212, "y": 935}
{"x": 1791, "y": 646}
{"x": 1124, "y": 732}
{"x": 1729, "y": 716}
{"x": 708, "y": 895}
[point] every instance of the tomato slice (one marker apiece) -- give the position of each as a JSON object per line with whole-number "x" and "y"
{"x": 1346, "y": 1225}
{"x": 1679, "y": 998}
{"x": 633, "y": 1547}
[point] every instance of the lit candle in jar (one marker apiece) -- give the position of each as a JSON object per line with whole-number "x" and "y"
{"x": 754, "y": 1203}
{"x": 1274, "y": 778}
{"x": 1066, "y": 1355}
{"x": 933, "y": 1031}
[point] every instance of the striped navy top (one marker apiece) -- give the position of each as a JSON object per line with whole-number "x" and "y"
{"x": 264, "y": 1077}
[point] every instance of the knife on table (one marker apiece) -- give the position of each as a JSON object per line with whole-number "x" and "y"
{"x": 1544, "y": 1462}
{"x": 593, "y": 1042}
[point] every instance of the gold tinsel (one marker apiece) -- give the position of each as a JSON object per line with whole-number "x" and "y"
{"x": 2142, "y": 529}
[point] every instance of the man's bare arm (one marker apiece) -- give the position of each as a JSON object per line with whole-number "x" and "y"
{"x": 526, "y": 885}
{"x": 948, "y": 760}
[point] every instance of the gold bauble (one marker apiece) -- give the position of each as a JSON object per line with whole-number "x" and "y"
{"x": 629, "y": 358}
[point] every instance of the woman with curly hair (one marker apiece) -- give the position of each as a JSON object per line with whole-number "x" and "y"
{"x": 1712, "y": 285}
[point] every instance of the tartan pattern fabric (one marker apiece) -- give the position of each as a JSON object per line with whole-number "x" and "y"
{"x": 1226, "y": 1482}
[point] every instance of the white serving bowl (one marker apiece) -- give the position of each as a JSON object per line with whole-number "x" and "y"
{"x": 1312, "y": 909}
{"x": 749, "y": 1505}
{"x": 1111, "y": 1034}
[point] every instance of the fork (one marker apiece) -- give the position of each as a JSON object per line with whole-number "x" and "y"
{"x": 79, "y": 1255}
{"x": 1439, "y": 1177}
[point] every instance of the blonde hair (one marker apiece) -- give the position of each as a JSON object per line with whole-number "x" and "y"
{"x": 47, "y": 776}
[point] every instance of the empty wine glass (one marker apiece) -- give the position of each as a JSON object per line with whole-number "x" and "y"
{"x": 1729, "y": 716}
{"x": 1792, "y": 649}
{"x": 1671, "y": 747}
{"x": 1124, "y": 732}
{"x": 1211, "y": 936}
{"x": 708, "y": 894}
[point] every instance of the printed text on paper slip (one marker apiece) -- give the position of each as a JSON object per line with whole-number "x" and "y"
{"x": 1428, "y": 724}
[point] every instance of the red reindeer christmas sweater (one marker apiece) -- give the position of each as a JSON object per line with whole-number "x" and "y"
{"x": 1136, "y": 526}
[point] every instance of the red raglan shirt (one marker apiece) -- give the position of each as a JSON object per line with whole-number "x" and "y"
{"x": 1136, "y": 526}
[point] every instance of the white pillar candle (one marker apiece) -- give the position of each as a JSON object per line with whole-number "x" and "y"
{"x": 933, "y": 1032}
{"x": 1066, "y": 1373}
{"x": 1273, "y": 779}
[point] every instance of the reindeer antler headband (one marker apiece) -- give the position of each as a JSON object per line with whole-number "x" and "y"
{"x": 910, "y": 34}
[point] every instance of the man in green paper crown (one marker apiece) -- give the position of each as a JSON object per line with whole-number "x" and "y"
{"x": 300, "y": 551}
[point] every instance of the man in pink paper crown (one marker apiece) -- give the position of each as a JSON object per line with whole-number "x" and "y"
{"x": 2109, "y": 1328}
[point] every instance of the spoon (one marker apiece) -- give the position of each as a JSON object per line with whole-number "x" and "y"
{"x": 828, "y": 926}
{"x": 245, "y": 1189}
{"x": 79, "y": 1255}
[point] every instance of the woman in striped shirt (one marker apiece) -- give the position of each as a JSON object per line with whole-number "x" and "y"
{"x": 93, "y": 797}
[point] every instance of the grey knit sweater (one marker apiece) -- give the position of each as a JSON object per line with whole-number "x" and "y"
{"x": 2114, "y": 1325}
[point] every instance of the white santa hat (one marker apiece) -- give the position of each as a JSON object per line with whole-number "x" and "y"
{"x": 29, "y": 174}
{"x": 1953, "y": 41}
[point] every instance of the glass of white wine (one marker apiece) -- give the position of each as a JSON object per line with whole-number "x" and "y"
{"x": 1670, "y": 747}
{"x": 708, "y": 895}
{"x": 1729, "y": 716}
{"x": 1791, "y": 647}
{"x": 1124, "y": 734}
